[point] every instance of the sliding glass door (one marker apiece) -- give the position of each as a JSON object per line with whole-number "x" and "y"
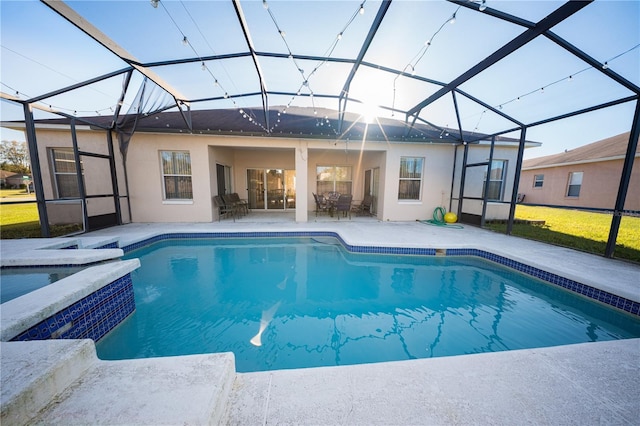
{"x": 271, "y": 189}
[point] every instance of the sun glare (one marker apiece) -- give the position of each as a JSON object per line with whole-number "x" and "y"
{"x": 368, "y": 112}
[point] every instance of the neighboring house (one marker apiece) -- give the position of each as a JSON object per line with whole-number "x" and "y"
{"x": 4, "y": 175}
{"x": 13, "y": 180}
{"x": 586, "y": 177}
{"x": 172, "y": 172}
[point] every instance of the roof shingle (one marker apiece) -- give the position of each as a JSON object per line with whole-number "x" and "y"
{"x": 615, "y": 146}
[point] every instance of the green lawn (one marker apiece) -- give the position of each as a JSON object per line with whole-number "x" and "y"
{"x": 586, "y": 231}
{"x": 16, "y": 194}
{"x": 22, "y": 221}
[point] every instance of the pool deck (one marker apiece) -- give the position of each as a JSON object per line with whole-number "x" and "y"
{"x": 576, "y": 384}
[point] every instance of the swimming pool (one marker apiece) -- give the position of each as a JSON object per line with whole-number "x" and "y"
{"x": 307, "y": 302}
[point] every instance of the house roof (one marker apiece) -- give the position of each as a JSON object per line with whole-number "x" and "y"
{"x": 606, "y": 149}
{"x": 297, "y": 122}
{"x": 5, "y": 174}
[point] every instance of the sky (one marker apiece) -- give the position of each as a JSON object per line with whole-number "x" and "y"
{"x": 42, "y": 52}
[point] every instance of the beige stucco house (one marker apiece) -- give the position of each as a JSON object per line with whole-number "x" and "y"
{"x": 586, "y": 177}
{"x": 166, "y": 173}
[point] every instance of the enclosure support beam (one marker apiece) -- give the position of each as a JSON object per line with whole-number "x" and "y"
{"x": 80, "y": 85}
{"x": 36, "y": 171}
{"x": 247, "y": 37}
{"x": 342, "y": 102}
{"x": 455, "y": 106}
{"x": 624, "y": 182}
{"x": 114, "y": 177}
{"x": 81, "y": 188}
{"x": 463, "y": 176}
{"x": 516, "y": 180}
{"x": 453, "y": 178}
{"x": 123, "y": 93}
{"x": 557, "y": 16}
{"x": 592, "y": 61}
{"x": 64, "y": 10}
{"x": 485, "y": 196}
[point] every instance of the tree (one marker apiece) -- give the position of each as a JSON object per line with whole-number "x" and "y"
{"x": 14, "y": 156}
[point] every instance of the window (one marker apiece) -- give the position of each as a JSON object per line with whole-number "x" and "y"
{"x": 64, "y": 172}
{"x": 176, "y": 175}
{"x": 410, "y": 180}
{"x": 333, "y": 179}
{"x": 538, "y": 180}
{"x": 496, "y": 180}
{"x": 575, "y": 182}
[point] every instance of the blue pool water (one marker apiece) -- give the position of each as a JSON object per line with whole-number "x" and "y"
{"x": 304, "y": 302}
{"x": 15, "y": 282}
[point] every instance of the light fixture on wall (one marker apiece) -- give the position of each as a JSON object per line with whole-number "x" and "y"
{"x": 154, "y": 3}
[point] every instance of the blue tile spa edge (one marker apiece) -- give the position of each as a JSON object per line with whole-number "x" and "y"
{"x": 89, "y": 318}
{"x": 602, "y": 296}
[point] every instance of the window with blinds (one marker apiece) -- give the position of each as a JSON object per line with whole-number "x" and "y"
{"x": 574, "y": 184}
{"x": 64, "y": 172}
{"x": 410, "y": 180}
{"x": 538, "y": 181}
{"x": 495, "y": 190}
{"x": 334, "y": 179}
{"x": 176, "y": 175}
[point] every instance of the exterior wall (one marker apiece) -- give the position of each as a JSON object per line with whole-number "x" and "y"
{"x": 145, "y": 179}
{"x": 243, "y": 153}
{"x": 436, "y": 182}
{"x": 599, "y": 188}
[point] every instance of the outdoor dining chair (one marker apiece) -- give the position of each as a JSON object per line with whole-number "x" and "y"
{"x": 321, "y": 204}
{"x": 343, "y": 205}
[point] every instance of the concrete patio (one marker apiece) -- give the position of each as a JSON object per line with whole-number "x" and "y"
{"x": 576, "y": 384}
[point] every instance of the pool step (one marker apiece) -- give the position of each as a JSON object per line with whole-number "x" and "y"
{"x": 172, "y": 390}
{"x": 36, "y": 372}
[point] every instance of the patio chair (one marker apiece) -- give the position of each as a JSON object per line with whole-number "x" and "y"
{"x": 343, "y": 205}
{"x": 364, "y": 208}
{"x": 223, "y": 208}
{"x": 321, "y": 204}
{"x": 244, "y": 204}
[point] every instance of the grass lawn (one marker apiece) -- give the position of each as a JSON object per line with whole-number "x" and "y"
{"x": 580, "y": 230}
{"x": 16, "y": 194}
{"x": 22, "y": 221}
